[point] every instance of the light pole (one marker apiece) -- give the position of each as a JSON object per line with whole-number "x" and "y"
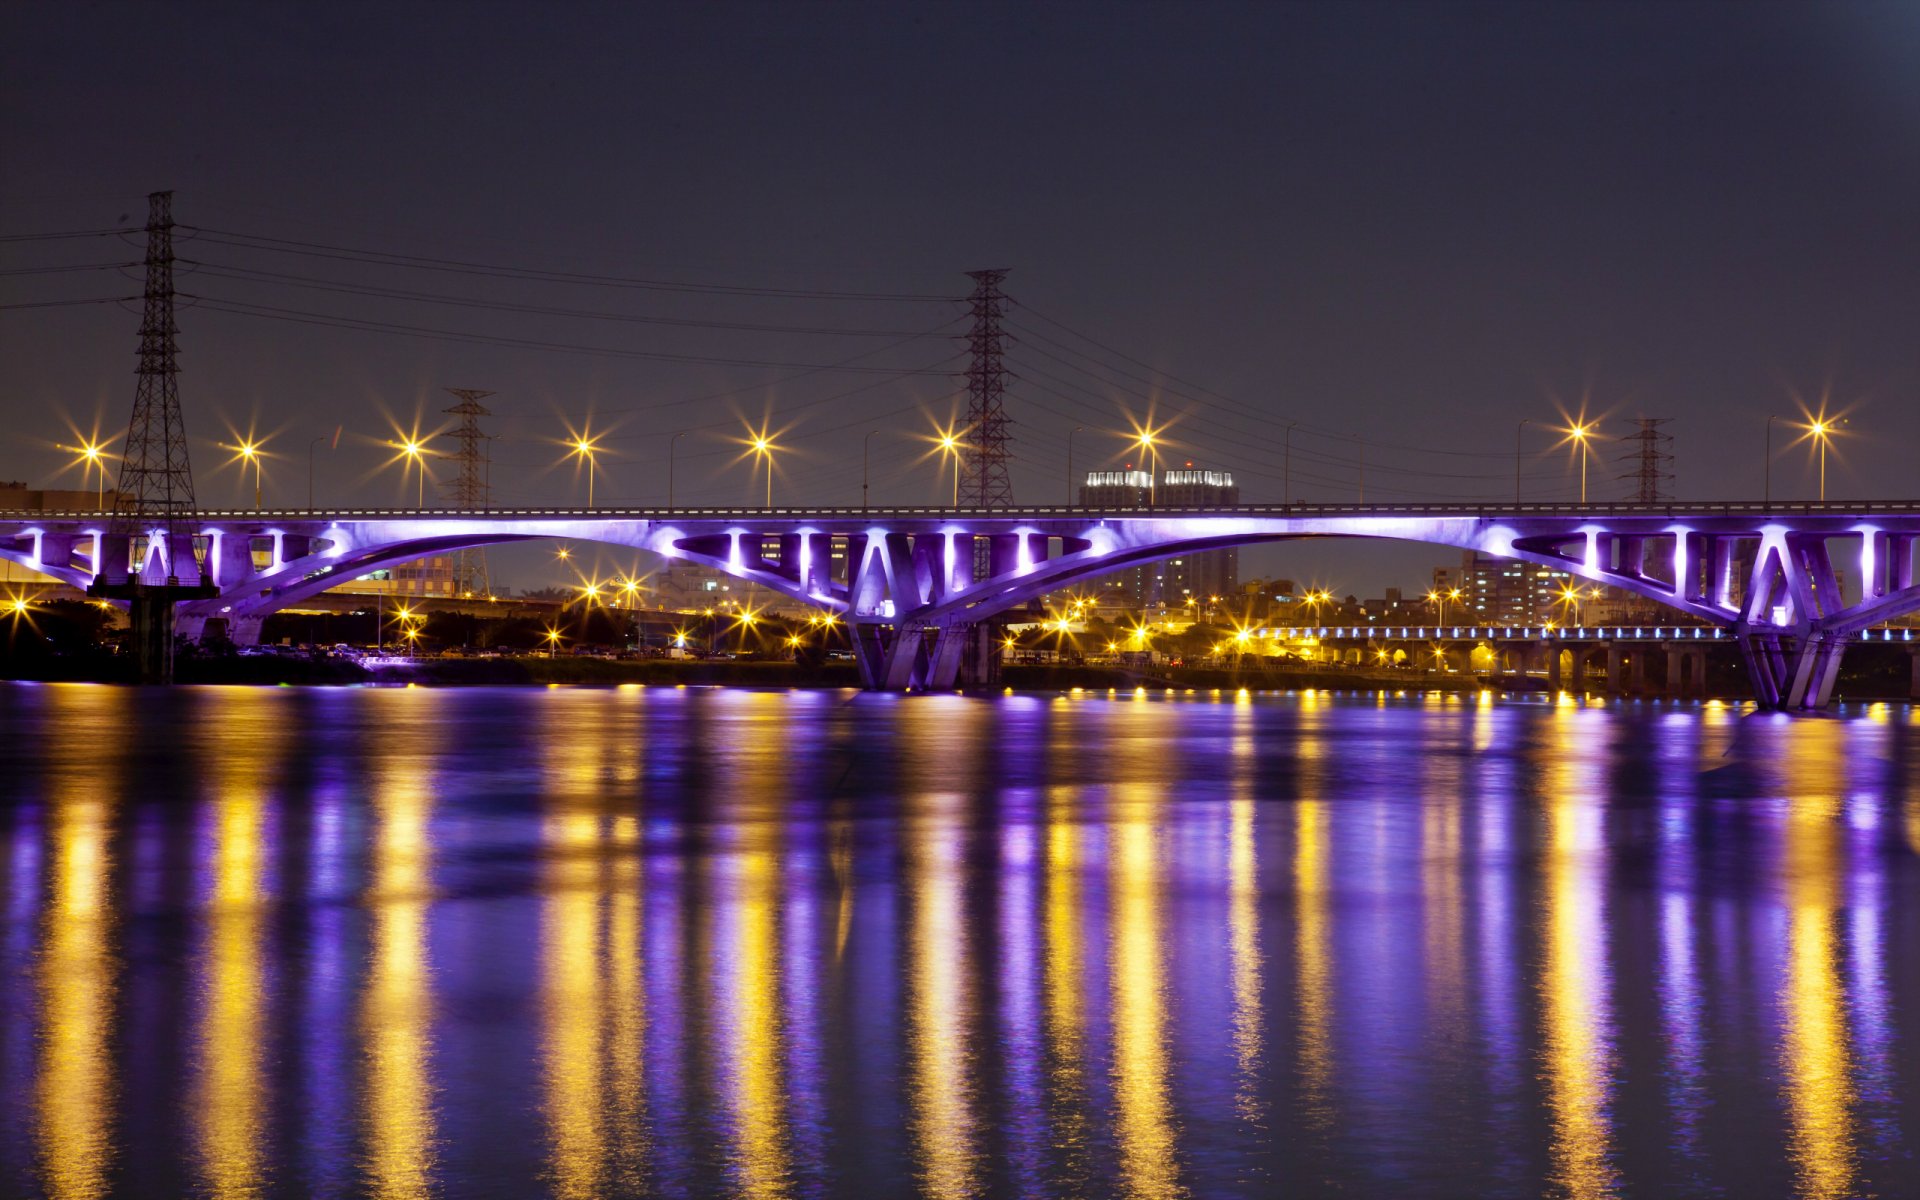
{"x": 1822, "y": 432}
{"x": 1145, "y": 441}
{"x": 950, "y": 446}
{"x": 1362, "y": 447}
{"x": 250, "y": 453}
{"x": 1580, "y": 433}
{"x": 413, "y": 450}
{"x": 1070, "y": 433}
{"x": 582, "y": 447}
{"x": 91, "y": 456}
{"x": 763, "y": 448}
{"x": 671, "y": 443}
{"x": 866, "y": 444}
{"x": 1286, "y": 476}
{"x": 1766, "y": 466}
{"x": 1517, "y": 434}
{"x": 311, "y": 447}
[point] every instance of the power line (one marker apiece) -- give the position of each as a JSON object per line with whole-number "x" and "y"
{"x": 68, "y": 233}
{"x": 329, "y": 320}
{"x": 224, "y": 271}
{"x": 467, "y": 267}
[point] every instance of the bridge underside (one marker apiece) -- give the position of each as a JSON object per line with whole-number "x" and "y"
{"x": 920, "y": 589}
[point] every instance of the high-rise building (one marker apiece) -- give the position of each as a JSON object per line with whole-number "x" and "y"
{"x": 1207, "y": 577}
{"x": 1505, "y": 591}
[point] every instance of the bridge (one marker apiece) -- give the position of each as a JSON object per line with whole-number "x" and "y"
{"x": 918, "y": 586}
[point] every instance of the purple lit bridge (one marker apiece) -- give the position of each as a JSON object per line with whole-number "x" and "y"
{"x": 1792, "y": 583}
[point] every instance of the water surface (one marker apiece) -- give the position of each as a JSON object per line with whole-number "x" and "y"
{"x": 676, "y": 942}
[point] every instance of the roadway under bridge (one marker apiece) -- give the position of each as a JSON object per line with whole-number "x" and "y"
{"x": 920, "y": 586}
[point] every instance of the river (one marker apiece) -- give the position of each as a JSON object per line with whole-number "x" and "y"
{"x": 674, "y": 942}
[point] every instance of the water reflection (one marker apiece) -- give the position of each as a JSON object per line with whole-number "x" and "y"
{"x": 397, "y": 1004}
{"x": 1578, "y": 1053}
{"x": 76, "y": 1085}
{"x": 229, "y": 1108}
{"x": 769, "y": 945}
{"x": 1815, "y": 1053}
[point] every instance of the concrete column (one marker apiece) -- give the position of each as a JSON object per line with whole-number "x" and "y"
{"x": 1553, "y": 665}
{"x": 1676, "y": 676}
{"x": 1637, "y": 671}
{"x": 1700, "y": 673}
{"x": 1913, "y": 687}
{"x": 1613, "y": 670}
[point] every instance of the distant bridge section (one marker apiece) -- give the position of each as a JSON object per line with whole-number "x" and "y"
{"x": 1767, "y": 575}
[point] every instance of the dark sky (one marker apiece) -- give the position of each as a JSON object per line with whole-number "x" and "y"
{"x": 1404, "y": 228}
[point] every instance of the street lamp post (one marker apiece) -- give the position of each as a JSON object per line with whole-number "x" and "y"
{"x": 413, "y": 450}
{"x": 1070, "y": 433}
{"x": 311, "y": 447}
{"x": 950, "y": 446}
{"x": 1517, "y": 434}
{"x": 1581, "y": 432}
{"x": 763, "y": 448}
{"x": 866, "y": 444}
{"x": 1822, "y": 432}
{"x": 671, "y": 443}
{"x": 583, "y": 448}
{"x": 1766, "y": 466}
{"x": 1286, "y": 471}
{"x": 249, "y": 453}
{"x": 1145, "y": 441}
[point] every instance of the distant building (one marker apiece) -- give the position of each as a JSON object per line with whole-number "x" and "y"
{"x": 1505, "y": 591}
{"x": 1208, "y": 579}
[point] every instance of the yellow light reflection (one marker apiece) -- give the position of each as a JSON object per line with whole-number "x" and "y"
{"x": 1144, "y": 1120}
{"x": 396, "y": 1007}
{"x": 627, "y": 1011}
{"x": 571, "y": 1002}
{"x": 1061, "y": 981}
{"x": 1312, "y": 958}
{"x": 758, "y": 1088}
{"x": 1815, "y": 1056}
{"x": 1243, "y": 918}
{"x": 940, "y": 1081}
{"x": 75, "y": 1085}
{"x": 1577, "y": 1049}
{"x": 229, "y": 1109}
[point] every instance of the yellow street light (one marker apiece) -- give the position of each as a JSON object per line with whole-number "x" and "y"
{"x": 1821, "y": 430}
{"x": 92, "y": 456}
{"x": 582, "y": 446}
{"x": 760, "y": 445}
{"x": 553, "y": 639}
{"x": 563, "y": 554}
{"x": 1581, "y": 432}
{"x": 249, "y": 453}
{"x": 412, "y": 448}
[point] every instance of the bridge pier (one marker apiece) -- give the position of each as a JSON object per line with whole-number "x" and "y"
{"x": 1553, "y": 665}
{"x": 1913, "y": 687}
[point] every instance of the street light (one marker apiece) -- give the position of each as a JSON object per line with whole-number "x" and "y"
{"x": 415, "y": 450}
{"x": 866, "y": 444}
{"x": 1820, "y": 429}
{"x": 92, "y": 455}
{"x": 582, "y": 447}
{"x": 761, "y": 446}
{"x": 1580, "y": 433}
{"x": 249, "y": 452}
{"x": 1144, "y": 438}
{"x": 1766, "y": 466}
{"x": 1524, "y": 422}
{"x": 950, "y": 446}
{"x": 1070, "y": 433}
{"x": 553, "y": 639}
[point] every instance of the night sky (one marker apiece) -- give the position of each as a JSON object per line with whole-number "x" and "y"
{"x": 1405, "y": 228}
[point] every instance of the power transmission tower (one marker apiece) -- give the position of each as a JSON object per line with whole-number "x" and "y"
{"x": 153, "y": 508}
{"x": 1650, "y": 454}
{"x": 983, "y": 477}
{"x": 472, "y": 488}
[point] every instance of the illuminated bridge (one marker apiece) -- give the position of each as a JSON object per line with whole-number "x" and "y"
{"x": 918, "y": 585}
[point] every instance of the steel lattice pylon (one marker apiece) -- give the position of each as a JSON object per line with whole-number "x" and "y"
{"x": 1651, "y": 460}
{"x": 983, "y": 480}
{"x": 472, "y": 488}
{"x": 156, "y": 480}
{"x": 154, "y": 501}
